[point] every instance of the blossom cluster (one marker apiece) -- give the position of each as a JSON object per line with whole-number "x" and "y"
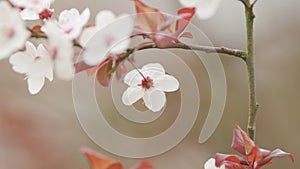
{"x": 104, "y": 46}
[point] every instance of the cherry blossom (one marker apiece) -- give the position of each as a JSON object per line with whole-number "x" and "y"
{"x": 210, "y": 164}
{"x": 35, "y": 63}
{"x": 13, "y": 33}
{"x": 149, "y": 83}
{"x": 61, "y": 50}
{"x": 109, "y": 38}
{"x": 72, "y": 22}
{"x": 34, "y": 9}
{"x": 205, "y": 8}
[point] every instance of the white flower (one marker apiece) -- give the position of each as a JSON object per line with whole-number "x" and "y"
{"x": 72, "y": 22}
{"x": 61, "y": 51}
{"x": 35, "y": 63}
{"x": 32, "y": 8}
{"x": 205, "y": 8}
{"x": 210, "y": 164}
{"x": 111, "y": 34}
{"x": 149, "y": 83}
{"x": 13, "y": 33}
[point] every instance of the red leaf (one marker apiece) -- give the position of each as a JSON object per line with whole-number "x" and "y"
{"x": 148, "y": 19}
{"x": 98, "y": 161}
{"x": 143, "y": 165}
{"x": 186, "y": 14}
{"x": 81, "y": 66}
{"x": 104, "y": 75}
{"x": 187, "y": 35}
{"x": 121, "y": 70}
{"x": 93, "y": 70}
{"x": 277, "y": 153}
{"x": 161, "y": 28}
{"x": 241, "y": 142}
{"x": 230, "y": 161}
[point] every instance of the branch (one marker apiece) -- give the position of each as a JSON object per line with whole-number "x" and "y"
{"x": 207, "y": 49}
{"x": 253, "y": 106}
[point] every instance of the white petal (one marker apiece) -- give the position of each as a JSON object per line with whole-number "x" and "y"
{"x": 166, "y": 83}
{"x": 207, "y": 8}
{"x": 22, "y": 61}
{"x": 133, "y": 78}
{"x": 154, "y": 67}
{"x": 64, "y": 69}
{"x": 45, "y": 62}
{"x": 30, "y": 48}
{"x": 104, "y": 17}
{"x": 87, "y": 34}
{"x": 28, "y": 14}
{"x": 13, "y": 34}
{"x": 210, "y": 164}
{"x": 120, "y": 46}
{"x": 35, "y": 84}
{"x": 132, "y": 95}
{"x": 154, "y": 99}
{"x": 188, "y": 3}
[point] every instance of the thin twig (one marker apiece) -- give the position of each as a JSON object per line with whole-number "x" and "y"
{"x": 207, "y": 49}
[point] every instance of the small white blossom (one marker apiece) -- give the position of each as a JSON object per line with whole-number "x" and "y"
{"x": 13, "y": 33}
{"x": 110, "y": 34}
{"x": 149, "y": 83}
{"x": 61, "y": 51}
{"x": 210, "y": 164}
{"x": 72, "y": 22}
{"x": 205, "y": 8}
{"x": 32, "y": 8}
{"x": 35, "y": 63}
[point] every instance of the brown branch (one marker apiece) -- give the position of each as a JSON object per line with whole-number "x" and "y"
{"x": 207, "y": 49}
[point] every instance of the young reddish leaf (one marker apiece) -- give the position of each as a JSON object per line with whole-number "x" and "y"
{"x": 185, "y": 14}
{"x": 161, "y": 28}
{"x": 81, "y": 66}
{"x": 115, "y": 166}
{"x": 187, "y": 35}
{"x": 277, "y": 153}
{"x": 121, "y": 70}
{"x": 91, "y": 71}
{"x": 148, "y": 19}
{"x": 143, "y": 165}
{"x": 230, "y": 161}
{"x": 104, "y": 75}
{"x": 241, "y": 142}
{"x": 98, "y": 161}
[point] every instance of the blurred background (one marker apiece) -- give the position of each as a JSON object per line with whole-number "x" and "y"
{"x": 42, "y": 131}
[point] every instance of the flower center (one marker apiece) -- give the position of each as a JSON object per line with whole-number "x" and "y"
{"x": 147, "y": 83}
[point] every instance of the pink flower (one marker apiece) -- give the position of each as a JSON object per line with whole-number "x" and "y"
{"x": 34, "y": 9}
{"x": 13, "y": 33}
{"x": 35, "y": 63}
{"x": 149, "y": 83}
{"x": 205, "y": 8}
{"x": 72, "y": 22}
{"x": 61, "y": 51}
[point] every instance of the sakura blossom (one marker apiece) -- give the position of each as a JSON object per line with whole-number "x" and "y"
{"x": 205, "y": 8}
{"x": 35, "y": 64}
{"x": 210, "y": 164}
{"x": 107, "y": 37}
{"x": 149, "y": 83}
{"x": 13, "y": 33}
{"x": 61, "y": 51}
{"x": 72, "y": 22}
{"x": 34, "y": 9}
